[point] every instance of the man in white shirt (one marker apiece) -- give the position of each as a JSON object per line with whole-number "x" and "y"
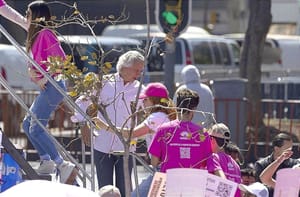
{"x": 118, "y": 91}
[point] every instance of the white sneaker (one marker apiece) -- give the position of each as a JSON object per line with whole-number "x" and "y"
{"x": 46, "y": 167}
{"x": 67, "y": 172}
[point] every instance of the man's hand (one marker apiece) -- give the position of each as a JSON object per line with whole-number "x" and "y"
{"x": 42, "y": 83}
{"x": 285, "y": 155}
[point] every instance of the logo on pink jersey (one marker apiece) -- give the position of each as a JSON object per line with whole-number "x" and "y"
{"x": 185, "y": 135}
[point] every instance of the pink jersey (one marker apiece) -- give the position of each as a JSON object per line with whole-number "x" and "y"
{"x": 224, "y": 162}
{"x": 181, "y": 144}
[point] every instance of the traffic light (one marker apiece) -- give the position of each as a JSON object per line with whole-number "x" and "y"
{"x": 173, "y": 16}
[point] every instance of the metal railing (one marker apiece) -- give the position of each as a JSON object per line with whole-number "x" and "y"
{"x": 278, "y": 115}
{"x": 12, "y": 92}
{"x": 20, "y": 96}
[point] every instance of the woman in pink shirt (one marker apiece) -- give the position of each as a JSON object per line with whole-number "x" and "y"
{"x": 42, "y": 43}
{"x": 222, "y": 164}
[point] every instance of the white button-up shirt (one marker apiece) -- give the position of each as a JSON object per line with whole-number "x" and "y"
{"x": 117, "y": 97}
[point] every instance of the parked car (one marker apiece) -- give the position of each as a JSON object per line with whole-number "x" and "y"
{"x": 214, "y": 56}
{"x": 129, "y": 29}
{"x": 13, "y": 67}
{"x": 89, "y": 45}
{"x": 280, "y": 57}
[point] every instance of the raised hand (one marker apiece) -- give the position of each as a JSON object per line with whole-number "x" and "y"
{"x": 285, "y": 155}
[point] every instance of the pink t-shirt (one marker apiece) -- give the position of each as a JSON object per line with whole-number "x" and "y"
{"x": 178, "y": 144}
{"x": 45, "y": 45}
{"x": 224, "y": 162}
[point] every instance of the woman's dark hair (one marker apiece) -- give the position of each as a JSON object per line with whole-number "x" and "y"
{"x": 248, "y": 172}
{"x": 40, "y": 17}
{"x": 231, "y": 149}
{"x": 167, "y": 107}
{"x": 186, "y": 98}
{"x": 279, "y": 139}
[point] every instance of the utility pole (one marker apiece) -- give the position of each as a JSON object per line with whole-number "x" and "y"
{"x": 173, "y": 17}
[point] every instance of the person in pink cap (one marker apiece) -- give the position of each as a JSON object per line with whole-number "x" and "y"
{"x": 158, "y": 108}
{"x": 222, "y": 164}
{"x": 42, "y": 43}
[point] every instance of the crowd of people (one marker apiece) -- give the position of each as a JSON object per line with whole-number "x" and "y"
{"x": 180, "y": 132}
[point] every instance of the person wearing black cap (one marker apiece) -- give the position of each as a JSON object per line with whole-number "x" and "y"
{"x": 222, "y": 164}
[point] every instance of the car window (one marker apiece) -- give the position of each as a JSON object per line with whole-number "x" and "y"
{"x": 179, "y": 58}
{"x": 236, "y": 53}
{"x": 226, "y": 60}
{"x": 217, "y": 53}
{"x": 155, "y": 58}
{"x": 201, "y": 53}
{"x": 271, "y": 55}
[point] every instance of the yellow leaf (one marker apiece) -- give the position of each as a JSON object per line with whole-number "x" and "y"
{"x": 164, "y": 100}
{"x": 73, "y": 93}
{"x": 94, "y": 55}
{"x": 76, "y": 12}
{"x": 133, "y": 142}
{"x": 93, "y": 63}
{"x": 108, "y": 65}
{"x": 84, "y": 57}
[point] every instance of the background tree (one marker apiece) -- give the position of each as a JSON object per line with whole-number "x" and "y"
{"x": 251, "y": 58}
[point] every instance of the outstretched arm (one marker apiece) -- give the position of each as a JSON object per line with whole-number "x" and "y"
{"x": 138, "y": 131}
{"x": 268, "y": 172}
{"x": 12, "y": 15}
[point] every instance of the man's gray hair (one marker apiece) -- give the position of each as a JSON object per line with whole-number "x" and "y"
{"x": 129, "y": 58}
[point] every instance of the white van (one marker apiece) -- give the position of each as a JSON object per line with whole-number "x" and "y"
{"x": 290, "y": 49}
{"x": 13, "y": 67}
{"x": 129, "y": 29}
{"x": 214, "y": 56}
{"x": 281, "y": 55}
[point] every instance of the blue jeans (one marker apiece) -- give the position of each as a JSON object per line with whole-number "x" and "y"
{"x": 143, "y": 187}
{"x": 106, "y": 164}
{"x": 44, "y": 104}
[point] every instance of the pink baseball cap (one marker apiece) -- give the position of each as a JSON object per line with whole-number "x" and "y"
{"x": 155, "y": 90}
